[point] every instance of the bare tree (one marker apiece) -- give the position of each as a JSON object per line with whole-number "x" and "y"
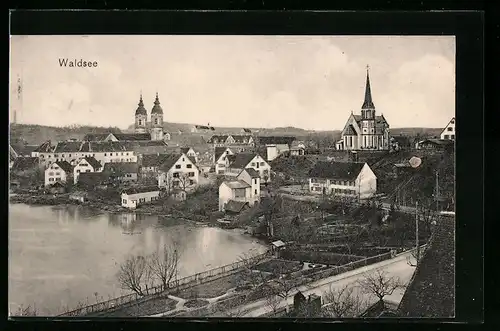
{"x": 249, "y": 275}
{"x": 273, "y": 301}
{"x": 26, "y": 311}
{"x": 343, "y": 302}
{"x": 164, "y": 264}
{"x": 184, "y": 181}
{"x": 282, "y": 284}
{"x": 380, "y": 284}
{"x": 132, "y": 273}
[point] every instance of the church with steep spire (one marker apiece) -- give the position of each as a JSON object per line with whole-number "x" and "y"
{"x": 155, "y": 127}
{"x": 366, "y": 131}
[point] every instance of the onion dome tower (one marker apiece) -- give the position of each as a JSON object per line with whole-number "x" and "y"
{"x": 157, "y": 120}
{"x": 141, "y": 117}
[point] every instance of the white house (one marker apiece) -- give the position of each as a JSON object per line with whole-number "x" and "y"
{"x": 86, "y": 164}
{"x": 245, "y": 189}
{"x": 346, "y": 179}
{"x": 133, "y": 197}
{"x": 59, "y": 171}
{"x": 178, "y": 171}
{"x": 220, "y": 155}
{"x": 276, "y": 145}
{"x": 448, "y": 132}
{"x": 237, "y": 162}
{"x": 72, "y": 151}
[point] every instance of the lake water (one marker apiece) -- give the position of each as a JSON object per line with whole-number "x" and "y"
{"x": 59, "y": 256}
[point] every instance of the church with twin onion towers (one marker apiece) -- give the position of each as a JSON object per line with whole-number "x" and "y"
{"x": 155, "y": 128}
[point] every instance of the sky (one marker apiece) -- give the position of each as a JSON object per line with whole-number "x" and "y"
{"x": 309, "y": 82}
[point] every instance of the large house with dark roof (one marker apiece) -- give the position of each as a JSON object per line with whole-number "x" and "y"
{"x": 59, "y": 171}
{"x": 102, "y": 151}
{"x": 243, "y": 140}
{"x": 178, "y": 171}
{"x": 86, "y": 164}
{"x": 237, "y": 162}
{"x": 122, "y": 171}
{"x": 243, "y": 190}
{"x": 366, "y": 131}
{"x": 346, "y": 179}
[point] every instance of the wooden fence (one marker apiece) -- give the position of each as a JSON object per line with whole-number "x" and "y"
{"x": 156, "y": 291}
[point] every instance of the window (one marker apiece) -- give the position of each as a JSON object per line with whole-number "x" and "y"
{"x": 142, "y": 199}
{"x": 126, "y": 153}
{"x": 257, "y": 165}
{"x": 88, "y": 170}
{"x": 177, "y": 166}
{"x": 446, "y": 136}
{"x": 182, "y": 159}
{"x": 450, "y": 128}
{"x": 58, "y": 173}
{"x": 62, "y": 155}
{"x": 253, "y": 164}
{"x": 189, "y": 166}
{"x": 78, "y": 171}
{"x": 239, "y": 193}
{"x": 58, "y": 179}
{"x": 51, "y": 173}
{"x": 124, "y": 201}
{"x": 156, "y": 121}
{"x": 56, "y": 155}
{"x": 255, "y": 191}
{"x": 452, "y": 136}
{"x": 122, "y": 153}
{"x": 255, "y": 181}
{"x": 262, "y": 164}
{"x": 51, "y": 179}
{"x": 70, "y": 155}
{"x": 175, "y": 175}
{"x": 191, "y": 174}
{"x": 191, "y": 182}
{"x": 105, "y": 154}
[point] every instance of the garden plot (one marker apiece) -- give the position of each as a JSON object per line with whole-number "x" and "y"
{"x": 150, "y": 307}
{"x": 213, "y": 288}
{"x": 281, "y": 266}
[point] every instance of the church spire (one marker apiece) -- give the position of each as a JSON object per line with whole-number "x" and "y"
{"x": 368, "y": 103}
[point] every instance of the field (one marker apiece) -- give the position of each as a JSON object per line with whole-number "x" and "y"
{"x": 211, "y": 289}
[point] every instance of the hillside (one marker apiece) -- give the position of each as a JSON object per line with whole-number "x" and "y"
{"x": 182, "y": 135}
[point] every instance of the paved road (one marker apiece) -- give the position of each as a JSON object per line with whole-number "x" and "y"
{"x": 397, "y": 266}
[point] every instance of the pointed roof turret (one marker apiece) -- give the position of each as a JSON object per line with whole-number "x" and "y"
{"x": 141, "y": 110}
{"x": 368, "y": 103}
{"x": 157, "y": 108}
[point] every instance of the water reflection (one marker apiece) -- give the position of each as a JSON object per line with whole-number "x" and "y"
{"x": 63, "y": 255}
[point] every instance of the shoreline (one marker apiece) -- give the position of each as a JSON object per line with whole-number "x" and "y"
{"x": 64, "y": 200}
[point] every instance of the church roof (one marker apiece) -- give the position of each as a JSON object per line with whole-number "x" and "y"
{"x": 350, "y": 131}
{"x": 157, "y": 108}
{"x": 141, "y": 110}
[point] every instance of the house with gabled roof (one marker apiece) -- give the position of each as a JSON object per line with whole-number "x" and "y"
{"x": 86, "y": 164}
{"x": 178, "y": 171}
{"x": 220, "y": 154}
{"x": 128, "y": 137}
{"x": 58, "y": 172}
{"x": 366, "y": 131}
{"x": 347, "y": 179}
{"x": 275, "y": 145}
{"x": 237, "y": 162}
{"x": 122, "y": 171}
{"x": 189, "y": 151}
{"x": 244, "y": 190}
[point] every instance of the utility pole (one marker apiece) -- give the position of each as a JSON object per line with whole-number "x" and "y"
{"x": 437, "y": 191}
{"x": 416, "y": 232}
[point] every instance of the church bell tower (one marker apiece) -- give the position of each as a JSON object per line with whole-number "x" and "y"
{"x": 141, "y": 117}
{"x": 157, "y": 120}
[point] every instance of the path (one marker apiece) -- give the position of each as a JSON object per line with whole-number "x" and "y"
{"x": 397, "y": 266}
